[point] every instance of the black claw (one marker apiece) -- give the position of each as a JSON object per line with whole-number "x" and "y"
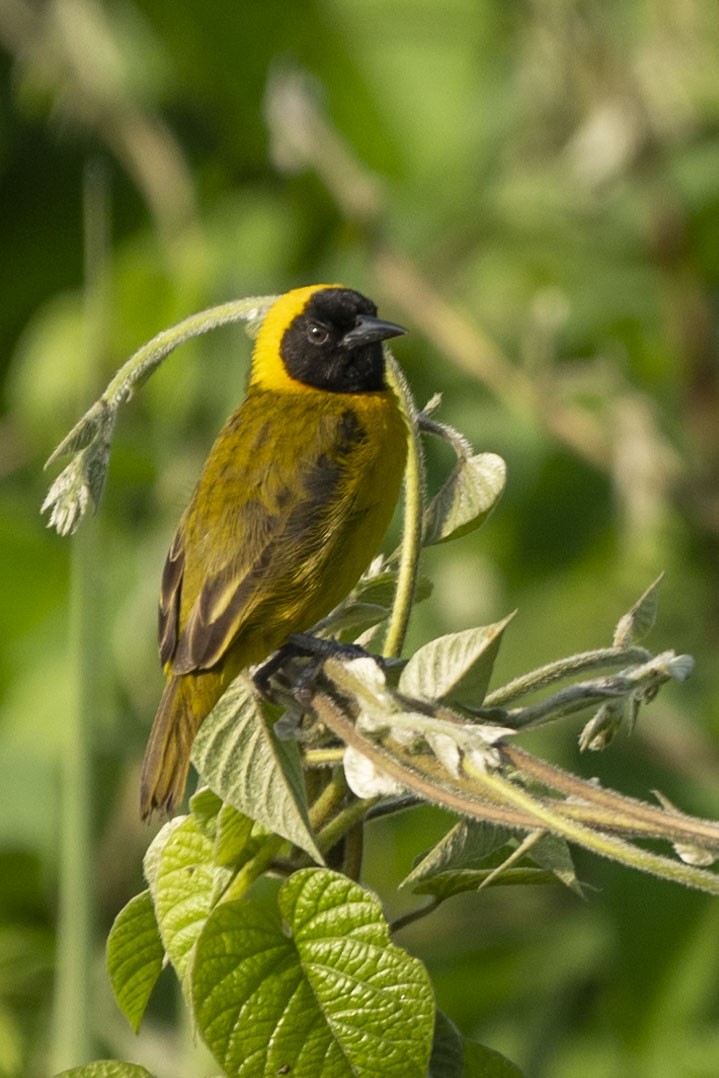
{"x": 304, "y": 645}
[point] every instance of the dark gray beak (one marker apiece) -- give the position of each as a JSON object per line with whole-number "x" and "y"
{"x": 368, "y": 330}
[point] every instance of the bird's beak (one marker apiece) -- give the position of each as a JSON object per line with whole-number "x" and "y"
{"x": 368, "y": 330}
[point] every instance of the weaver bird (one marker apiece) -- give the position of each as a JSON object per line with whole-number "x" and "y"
{"x": 291, "y": 505}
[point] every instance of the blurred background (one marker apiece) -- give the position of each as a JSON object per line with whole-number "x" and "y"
{"x": 533, "y": 190}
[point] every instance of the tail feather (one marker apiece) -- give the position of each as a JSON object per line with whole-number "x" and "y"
{"x": 167, "y": 756}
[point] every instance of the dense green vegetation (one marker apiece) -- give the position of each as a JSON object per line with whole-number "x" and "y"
{"x": 530, "y": 188}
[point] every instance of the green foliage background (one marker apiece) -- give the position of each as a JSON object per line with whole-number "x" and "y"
{"x": 533, "y": 189}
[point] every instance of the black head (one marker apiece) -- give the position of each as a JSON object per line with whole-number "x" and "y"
{"x": 335, "y": 343}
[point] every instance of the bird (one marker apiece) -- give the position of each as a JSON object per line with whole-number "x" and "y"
{"x": 291, "y": 505}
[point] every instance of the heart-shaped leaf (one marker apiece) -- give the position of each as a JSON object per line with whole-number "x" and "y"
{"x": 314, "y": 987}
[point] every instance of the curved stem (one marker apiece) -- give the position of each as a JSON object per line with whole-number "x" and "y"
{"x": 142, "y": 363}
{"x": 343, "y": 822}
{"x": 254, "y": 868}
{"x": 413, "y": 915}
{"x": 564, "y": 668}
{"x": 413, "y": 509}
{"x": 599, "y": 842}
{"x": 460, "y": 444}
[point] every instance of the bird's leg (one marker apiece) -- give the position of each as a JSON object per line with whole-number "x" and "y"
{"x": 320, "y": 648}
{"x": 305, "y": 646}
{"x": 264, "y": 673}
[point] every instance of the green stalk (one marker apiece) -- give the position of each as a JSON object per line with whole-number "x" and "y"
{"x": 599, "y": 842}
{"x": 79, "y": 485}
{"x": 255, "y": 868}
{"x": 413, "y": 510}
{"x": 72, "y": 1042}
{"x": 535, "y": 680}
{"x": 343, "y": 822}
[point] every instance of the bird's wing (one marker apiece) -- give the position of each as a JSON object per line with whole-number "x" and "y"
{"x": 169, "y": 611}
{"x": 259, "y": 551}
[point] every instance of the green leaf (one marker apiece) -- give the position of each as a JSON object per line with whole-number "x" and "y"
{"x": 229, "y": 830}
{"x": 185, "y": 890}
{"x": 453, "y": 1057}
{"x": 369, "y": 603}
{"x": 237, "y": 753}
{"x": 134, "y": 957}
{"x": 232, "y": 841}
{"x": 468, "y": 858}
{"x": 349, "y": 621}
{"x": 483, "y": 1062}
{"x": 324, "y": 995}
{"x": 639, "y": 620}
{"x": 379, "y": 588}
{"x": 456, "y": 667}
{"x": 469, "y": 842}
{"x": 106, "y": 1068}
{"x": 205, "y": 806}
{"x": 253, "y": 1006}
{"x": 344, "y": 945}
{"x": 151, "y": 860}
{"x": 467, "y": 880}
{"x": 447, "y": 1059}
{"x": 552, "y": 853}
{"x": 466, "y": 499}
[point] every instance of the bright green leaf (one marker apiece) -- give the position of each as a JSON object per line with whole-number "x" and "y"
{"x": 233, "y": 835}
{"x": 151, "y": 860}
{"x": 253, "y": 1005}
{"x": 237, "y": 753}
{"x": 228, "y": 829}
{"x": 106, "y": 1068}
{"x": 376, "y": 998}
{"x": 456, "y": 667}
{"x": 205, "y": 806}
{"x": 466, "y": 499}
{"x": 185, "y": 890}
{"x": 134, "y": 957}
{"x": 327, "y": 996}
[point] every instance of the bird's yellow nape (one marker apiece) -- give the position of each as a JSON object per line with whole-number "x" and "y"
{"x": 268, "y": 370}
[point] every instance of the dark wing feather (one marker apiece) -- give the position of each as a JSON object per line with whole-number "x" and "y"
{"x": 169, "y": 611}
{"x": 249, "y": 549}
{"x": 277, "y": 579}
{"x": 225, "y": 602}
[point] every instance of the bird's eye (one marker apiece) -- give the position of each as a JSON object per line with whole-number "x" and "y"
{"x": 317, "y": 333}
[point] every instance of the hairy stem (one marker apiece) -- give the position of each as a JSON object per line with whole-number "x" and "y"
{"x": 413, "y": 509}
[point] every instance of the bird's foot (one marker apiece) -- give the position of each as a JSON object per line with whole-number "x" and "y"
{"x": 305, "y": 646}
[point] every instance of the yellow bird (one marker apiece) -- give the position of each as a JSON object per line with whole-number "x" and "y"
{"x": 292, "y": 503}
